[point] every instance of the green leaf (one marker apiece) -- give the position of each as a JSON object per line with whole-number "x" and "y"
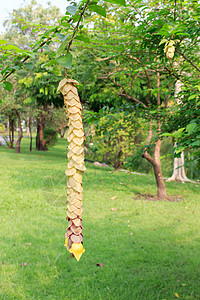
{"x": 190, "y": 127}
{"x": 75, "y": 18}
{"x": 166, "y": 134}
{"x": 72, "y": 9}
{"x": 62, "y": 47}
{"x": 198, "y": 86}
{"x": 121, "y": 2}
{"x": 13, "y": 47}
{"x": 178, "y": 133}
{"x": 28, "y": 100}
{"x": 50, "y": 63}
{"x": 0, "y": 101}
{"x": 61, "y": 36}
{"x": 98, "y": 9}
{"x": 196, "y": 143}
{"x": 8, "y": 86}
{"x": 65, "y": 60}
{"x": 46, "y": 48}
{"x": 192, "y": 97}
{"x": 82, "y": 38}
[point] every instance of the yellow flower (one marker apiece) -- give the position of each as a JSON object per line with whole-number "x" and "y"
{"x": 77, "y": 250}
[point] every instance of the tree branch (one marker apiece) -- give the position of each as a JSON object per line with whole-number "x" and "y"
{"x": 25, "y": 59}
{"x": 126, "y": 94}
{"x": 53, "y": 132}
{"x": 189, "y": 60}
{"x": 171, "y": 72}
{"x": 147, "y": 76}
{"x": 77, "y": 25}
{"x": 148, "y": 140}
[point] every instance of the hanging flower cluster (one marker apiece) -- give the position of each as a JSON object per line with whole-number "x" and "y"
{"x": 75, "y": 167}
{"x": 169, "y": 49}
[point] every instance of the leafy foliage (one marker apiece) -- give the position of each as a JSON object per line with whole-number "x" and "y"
{"x": 114, "y": 137}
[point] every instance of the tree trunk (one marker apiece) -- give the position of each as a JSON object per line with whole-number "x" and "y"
{"x": 40, "y": 144}
{"x": 52, "y": 134}
{"x": 18, "y": 143}
{"x": 179, "y": 168}
{"x": 27, "y": 126}
{"x": 162, "y": 193}
{"x": 30, "y": 130}
{"x": 8, "y": 124}
{"x": 11, "y": 132}
{"x": 161, "y": 189}
{"x": 37, "y": 135}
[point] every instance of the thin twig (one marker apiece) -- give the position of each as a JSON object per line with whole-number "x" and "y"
{"x": 77, "y": 25}
{"x": 188, "y": 59}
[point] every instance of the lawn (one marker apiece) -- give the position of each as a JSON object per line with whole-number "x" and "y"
{"x": 146, "y": 249}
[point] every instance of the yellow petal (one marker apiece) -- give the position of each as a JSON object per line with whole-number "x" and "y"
{"x": 76, "y": 230}
{"x": 70, "y": 172}
{"x": 80, "y": 167}
{"x": 67, "y": 234}
{"x": 77, "y": 203}
{"x": 71, "y": 95}
{"x": 78, "y": 176}
{"x": 70, "y": 137}
{"x": 71, "y": 207}
{"x": 73, "y": 110}
{"x": 73, "y": 102}
{"x": 61, "y": 84}
{"x": 70, "y": 153}
{"x": 78, "y": 132}
{"x": 78, "y": 187}
{"x": 71, "y": 215}
{"x": 77, "y": 124}
{"x": 79, "y": 105}
{"x": 72, "y": 199}
{"x": 73, "y": 89}
{"x": 79, "y": 159}
{"x": 79, "y": 196}
{"x": 71, "y": 182}
{"x": 71, "y": 145}
{"x": 77, "y": 250}
{"x": 78, "y": 149}
{"x": 66, "y": 241}
{"x": 66, "y": 89}
{"x": 71, "y": 164}
{"x": 75, "y": 117}
{"x": 77, "y": 222}
{"x": 76, "y": 238}
{"x": 78, "y": 141}
{"x": 78, "y": 211}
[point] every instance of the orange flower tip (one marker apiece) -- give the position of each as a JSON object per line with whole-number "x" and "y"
{"x": 77, "y": 250}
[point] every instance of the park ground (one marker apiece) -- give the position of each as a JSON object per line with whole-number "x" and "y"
{"x": 136, "y": 247}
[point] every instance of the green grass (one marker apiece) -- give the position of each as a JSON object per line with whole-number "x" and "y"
{"x": 150, "y": 249}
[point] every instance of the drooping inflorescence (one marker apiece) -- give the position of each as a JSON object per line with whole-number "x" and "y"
{"x": 169, "y": 49}
{"x": 75, "y": 167}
